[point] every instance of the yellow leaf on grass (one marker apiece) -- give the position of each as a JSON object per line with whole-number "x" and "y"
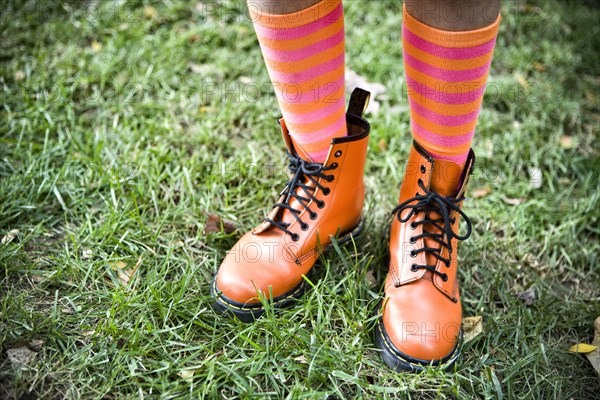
{"x": 125, "y": 274}
{"x": 119, "y": 265}
{"x": 521, "y": 80}
{"x": 582, "y": 348}
{"x": 150, "y": 12}
{"x": 472, "y": 326}
{"x": 96, "y": 46}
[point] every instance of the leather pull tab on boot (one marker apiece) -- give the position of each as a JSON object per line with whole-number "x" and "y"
{"x": 359, "y": 100}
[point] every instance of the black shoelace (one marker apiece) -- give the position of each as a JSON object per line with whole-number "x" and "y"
{"x": 305, "y": 176}
{"x": 429, "y": 203}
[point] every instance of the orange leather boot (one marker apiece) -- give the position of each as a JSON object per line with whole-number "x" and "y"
{"x": 320, "y": 202}
{"x": 421, "y": 312}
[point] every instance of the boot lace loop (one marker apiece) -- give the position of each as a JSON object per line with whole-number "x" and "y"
{"x": 305, "y": 177}
{"x": 431, "y": 203}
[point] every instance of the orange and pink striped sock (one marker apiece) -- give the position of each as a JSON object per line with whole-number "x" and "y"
{"x": 305, "y": 56}
{"x": 446, "y": 73}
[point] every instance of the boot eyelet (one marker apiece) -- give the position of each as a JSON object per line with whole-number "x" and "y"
{"x": 444, "y": 277}
{"x": 413, "y": 225}
{"x": 320, "y": 204}
{"x": 417, "y": 194}
{"x": 412, "y": 240}
{"x": 313, "y": 216}
{"x": 334, "y": 165}
{"x": 414, "y": 268}
{"x": 330, "y": 178}
{"x": 423, "y": 169}
{"x": 447, "y": 264}
{"x": 338, "y": 153}
{"x": 304, "y": 226}
{"x": 295, "y": 237}
{"x": 326, "y": 191}
{"x": 413, "y": 253}
{"x": 420, "y": 181}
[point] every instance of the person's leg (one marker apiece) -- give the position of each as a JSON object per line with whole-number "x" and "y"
{"x": 302, "y": 44}
{"x": 447, "y": 47}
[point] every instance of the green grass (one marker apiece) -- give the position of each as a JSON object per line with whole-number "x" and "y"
{"x": 110, "y": 151}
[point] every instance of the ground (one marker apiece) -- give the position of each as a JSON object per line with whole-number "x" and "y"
{"x": 125, "y": 125}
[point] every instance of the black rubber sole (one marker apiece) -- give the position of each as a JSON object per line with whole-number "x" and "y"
{"x": 398, "y": 361}
{"x": 250, "y": 312}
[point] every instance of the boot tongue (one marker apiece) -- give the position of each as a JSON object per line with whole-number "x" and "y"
{"x": 286, "y": 215}
{"x": 299, "y": 150}
{"x": 293, "y": 147}
{"x": 281, "y": 214}
{"x": 445, "y": 177}
{"x": 445, "y": 180}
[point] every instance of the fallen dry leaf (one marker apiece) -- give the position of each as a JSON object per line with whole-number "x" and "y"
{"x": 20, "y": 356}
{"x": 206, "y": 109}
{"x": 594, "y": 356}
{"x": 370, "y": 275}
{"x": 96, "y": 46}
{"x": 521, "y": 80}
{"x": 513, "y": 202}
{"x": 245, "y": 80}
{"x": 19, "y": 76}
{"x": 119, "y": 265}
{"x": 527, "y": 296}
{"x": 203, "y": 69}
{"x": 354, "y": 80}
{"x": 150, "y": 12}
{"x": 214, "y": 222}
{"x": 301, "y": 359}
{"x": 472, "y": 326}
{"x": 36, "y": 345}
{"x": 567, "y": 142}
{"x": 481, "y": 192}
{"x": 10, "y": 236}
{"x": 539, "y": 66}
{"x": 582, "y": 348}
{"x": 187, "y": 374}
{"x": 382, "y": 144}
{"x": 125, "y": 276}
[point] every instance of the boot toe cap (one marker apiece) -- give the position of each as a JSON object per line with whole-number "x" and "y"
{"x": 421, "y": 332}
{"x": 244, "y": 275}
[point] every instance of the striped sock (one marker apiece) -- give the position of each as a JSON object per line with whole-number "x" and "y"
{"x": 446, "y": 72}
{"x": 305, "y": 56}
